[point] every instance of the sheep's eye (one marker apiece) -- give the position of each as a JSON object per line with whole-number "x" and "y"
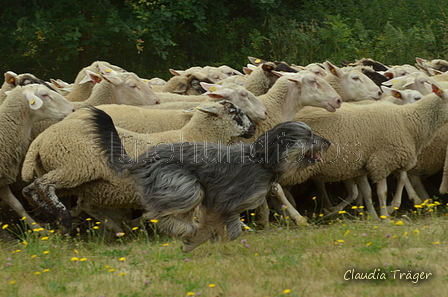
{"x": 418, "y": 98}
{"x": 355, "y": 77}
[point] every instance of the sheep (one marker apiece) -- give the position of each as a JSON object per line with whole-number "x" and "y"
{"x": 430, "y": 161}
{"x": 56, "y": 152}
{"x": 437, "y": 64}
{"x": 375, "y": 76}
{"x": 414, "y": 81}
{"x": 143, "y": 120}
{"x": 261, "y": 79}
{"x": 214, "y": 74}
{"x": 387, "y": 138}
{"x": 23, "y": 107}
{"x": 351, "y": 84}
{"x": 400, "y": 97}
{"x": 82, "y": 87}
{"x": 399, "y": 70}
{"x": 112, "y": 88}
{"x": 13, "y": 80}
{"x": 279, "y": 65}
{"x": 187, "y": 84}
{"x": 377, "y": 66}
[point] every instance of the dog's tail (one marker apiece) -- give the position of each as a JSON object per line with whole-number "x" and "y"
{"x": 106, "y": 137}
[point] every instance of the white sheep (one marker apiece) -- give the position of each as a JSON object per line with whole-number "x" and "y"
{"x": 261, "y": 79}
{"x": 414, "y": 81}
{"x": 23, "y": 107}
{"x": 376, "y": 140}
{"x": 67, "y": 145}
{"x": 143, "y": 120}
{"x": 83, "y": 85}
{"x": 112, "y": 88}
{"x": 351, "y": 84}
{"x": 13, "y": 80}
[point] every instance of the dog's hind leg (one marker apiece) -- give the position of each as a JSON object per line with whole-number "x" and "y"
{"x": 277, "y": 190}
{"x": 213, "y": 227}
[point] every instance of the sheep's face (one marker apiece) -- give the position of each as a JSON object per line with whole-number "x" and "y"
{"x": 131, "y": 90}
{"x": 46, "y": 104}
{"x": 315, "y": 91}
{"x": 231, "y": 117}
{"x": 356, "y": 86}
{"x": 241, "y": 97}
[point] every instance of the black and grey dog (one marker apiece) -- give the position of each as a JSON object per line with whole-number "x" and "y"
{"x": 198, "y": 190}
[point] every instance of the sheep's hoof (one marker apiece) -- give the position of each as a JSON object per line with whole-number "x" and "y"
{"x": 300, "y": 221}
{"x": 65, "y": 220}
{"x": 391, "y": 209}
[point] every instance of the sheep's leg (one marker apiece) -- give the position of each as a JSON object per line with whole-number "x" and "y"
{"x": 43, "y": 196}
{"x": 322, "y": 192}
{"x": 396, "y": 202}
{"x": 8, "y": 197}
{"x": 100, "y": 215}
{"x": 277, "y": 190}
{"x": 366, "y": 192}
{"x": 415, "y": 183}
{"x": 352, "y": 189}
{"x": 381, "y": 189}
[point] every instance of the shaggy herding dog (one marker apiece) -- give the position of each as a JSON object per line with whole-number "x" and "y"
{"x": 197, "y": 190}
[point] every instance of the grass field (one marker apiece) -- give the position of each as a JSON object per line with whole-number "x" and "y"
{"x": 282, "y": 260}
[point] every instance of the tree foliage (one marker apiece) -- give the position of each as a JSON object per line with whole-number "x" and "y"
{"x": 56, "y": 39}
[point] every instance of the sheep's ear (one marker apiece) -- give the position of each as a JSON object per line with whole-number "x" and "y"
{"x": 386, "y": 90}
{"x": 55, "y": 83}
{"x": 422, "y": 62}
{"x": 256, "y": 61}
{"x": 33, "y": 101}
{"x": 177, "y": 72}
{"x": 220, "y": 94}
{"x": 333, "y": 69}
{"x": 247, "y": 70}
{"x": 212, "y": 110}
{"x": 409, "y": 81}
{"x": 280, "y": 73}
{"x": 180, "y": 88}
{"x": 297, "y": 78}
{"x": 91, "y": 76}
{"x": 10, "y": 78}
{"x": 210, "y": 87}
{"x": 106, "y": 70}
{"x": 396, "y": 94}
{"x": 433, "y": 71}
{"x": 438, "y": 91}
{"x": 268, "y": 67}
{"x": 389, "y": 75}
{"x": 109, "y": 74}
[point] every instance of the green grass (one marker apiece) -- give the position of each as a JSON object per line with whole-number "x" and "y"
{"x": 282, "y": 260}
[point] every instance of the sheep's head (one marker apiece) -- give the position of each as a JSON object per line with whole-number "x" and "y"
{"x": 44, "y": 103}
{"x": 232, "y": 117}
{"x": 352, "y": 84}
{"x": 239, "y": 96}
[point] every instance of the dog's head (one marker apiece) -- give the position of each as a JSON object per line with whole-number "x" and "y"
{"x": 290, "y": 142}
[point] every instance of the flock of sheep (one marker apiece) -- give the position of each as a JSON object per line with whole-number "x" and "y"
{"x": 392, "y": 122}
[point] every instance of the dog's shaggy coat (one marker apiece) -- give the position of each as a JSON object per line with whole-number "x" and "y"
{"x": 198, "y": 190}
